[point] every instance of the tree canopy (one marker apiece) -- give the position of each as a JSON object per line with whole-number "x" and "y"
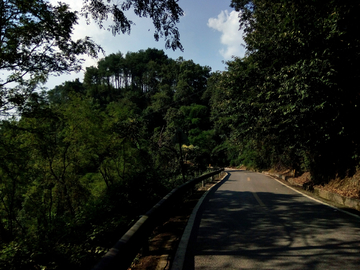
{"x": 35, "y": 42}
{"x": 85, "y": 158}
{"x": 36, "y": 39}
{"x": 165, "y": 14}
{"x": 296, "y": 89}
{"x": 82, "y": 160}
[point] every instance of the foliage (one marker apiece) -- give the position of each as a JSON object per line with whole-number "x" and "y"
{"x": 35, "y": 42}
{"x": 80, "y": 162}
{"x": 164, "y": 14}
{"x": 294, "y": 93}
{"x": 85, "y": 159}
{"x": 36, "y": 39}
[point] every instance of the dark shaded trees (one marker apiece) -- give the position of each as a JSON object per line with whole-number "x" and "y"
{"x": 296, "y": 89}
{"x": 168, "y": 92}
{"x": 84, "y": 159}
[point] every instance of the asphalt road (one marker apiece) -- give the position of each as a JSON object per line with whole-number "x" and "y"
{"x": 251, "y": 221}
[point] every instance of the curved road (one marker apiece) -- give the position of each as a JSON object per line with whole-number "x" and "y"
{"x": 251, "y": 221}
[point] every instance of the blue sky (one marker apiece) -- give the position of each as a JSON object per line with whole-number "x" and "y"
{"x": 209, "y": 32}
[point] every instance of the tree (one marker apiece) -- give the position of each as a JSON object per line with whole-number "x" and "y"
{"x": 61, "y": 93}
{"x": 299, "y": 94}
{"x": 191, "y": 82}
{"x": 164, "y": 14}
{"x": 36, "y": 39}
{"x": 35, "y": 42}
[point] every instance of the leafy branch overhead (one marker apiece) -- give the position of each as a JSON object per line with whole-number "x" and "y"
{"x": 36, "y": 39}
{"x": 35, "y": 42}
{"x": 293, "y": 98}
{"x": 165, "y": 14}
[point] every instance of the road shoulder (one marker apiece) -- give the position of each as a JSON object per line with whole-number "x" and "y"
{"x": 326, "y": 200}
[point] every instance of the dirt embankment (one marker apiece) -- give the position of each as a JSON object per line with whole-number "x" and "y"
{"x": 348, "y": 187}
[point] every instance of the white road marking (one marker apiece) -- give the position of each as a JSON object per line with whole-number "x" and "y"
{"x": 258, "y": 199}
{"x": 316, "y": 200}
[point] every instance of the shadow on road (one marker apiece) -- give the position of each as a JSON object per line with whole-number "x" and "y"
{"x": 286, "y": 232}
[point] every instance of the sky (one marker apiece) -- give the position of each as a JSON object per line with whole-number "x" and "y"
{"x": 209, "y": 33}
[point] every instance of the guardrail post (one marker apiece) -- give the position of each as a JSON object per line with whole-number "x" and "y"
{"x": 120, "y": 256}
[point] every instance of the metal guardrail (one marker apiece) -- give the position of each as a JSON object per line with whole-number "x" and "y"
{"x": 123, "y": 253}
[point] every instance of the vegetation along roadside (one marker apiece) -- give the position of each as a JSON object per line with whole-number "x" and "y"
{"x": 80, "y": 162}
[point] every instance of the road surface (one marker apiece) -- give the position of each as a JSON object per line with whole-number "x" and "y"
{"x": 251, "y": 221}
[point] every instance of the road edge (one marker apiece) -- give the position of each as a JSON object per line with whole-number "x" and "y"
{"x": 312, "y": 198}
{"x": 179, "y": 258}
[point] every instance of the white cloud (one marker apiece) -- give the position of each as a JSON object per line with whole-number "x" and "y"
{"x": 228, "y": 24}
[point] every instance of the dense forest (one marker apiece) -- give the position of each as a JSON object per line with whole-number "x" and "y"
{"x": 86, "y": 158}
{"x": 80, "y": 162}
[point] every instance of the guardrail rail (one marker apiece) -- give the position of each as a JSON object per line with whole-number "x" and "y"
{"x": 124, "y": 251}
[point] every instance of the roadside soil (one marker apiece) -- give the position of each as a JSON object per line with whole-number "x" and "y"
{"x": 347, "y": 187}
{"x": 165, "y": 238}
